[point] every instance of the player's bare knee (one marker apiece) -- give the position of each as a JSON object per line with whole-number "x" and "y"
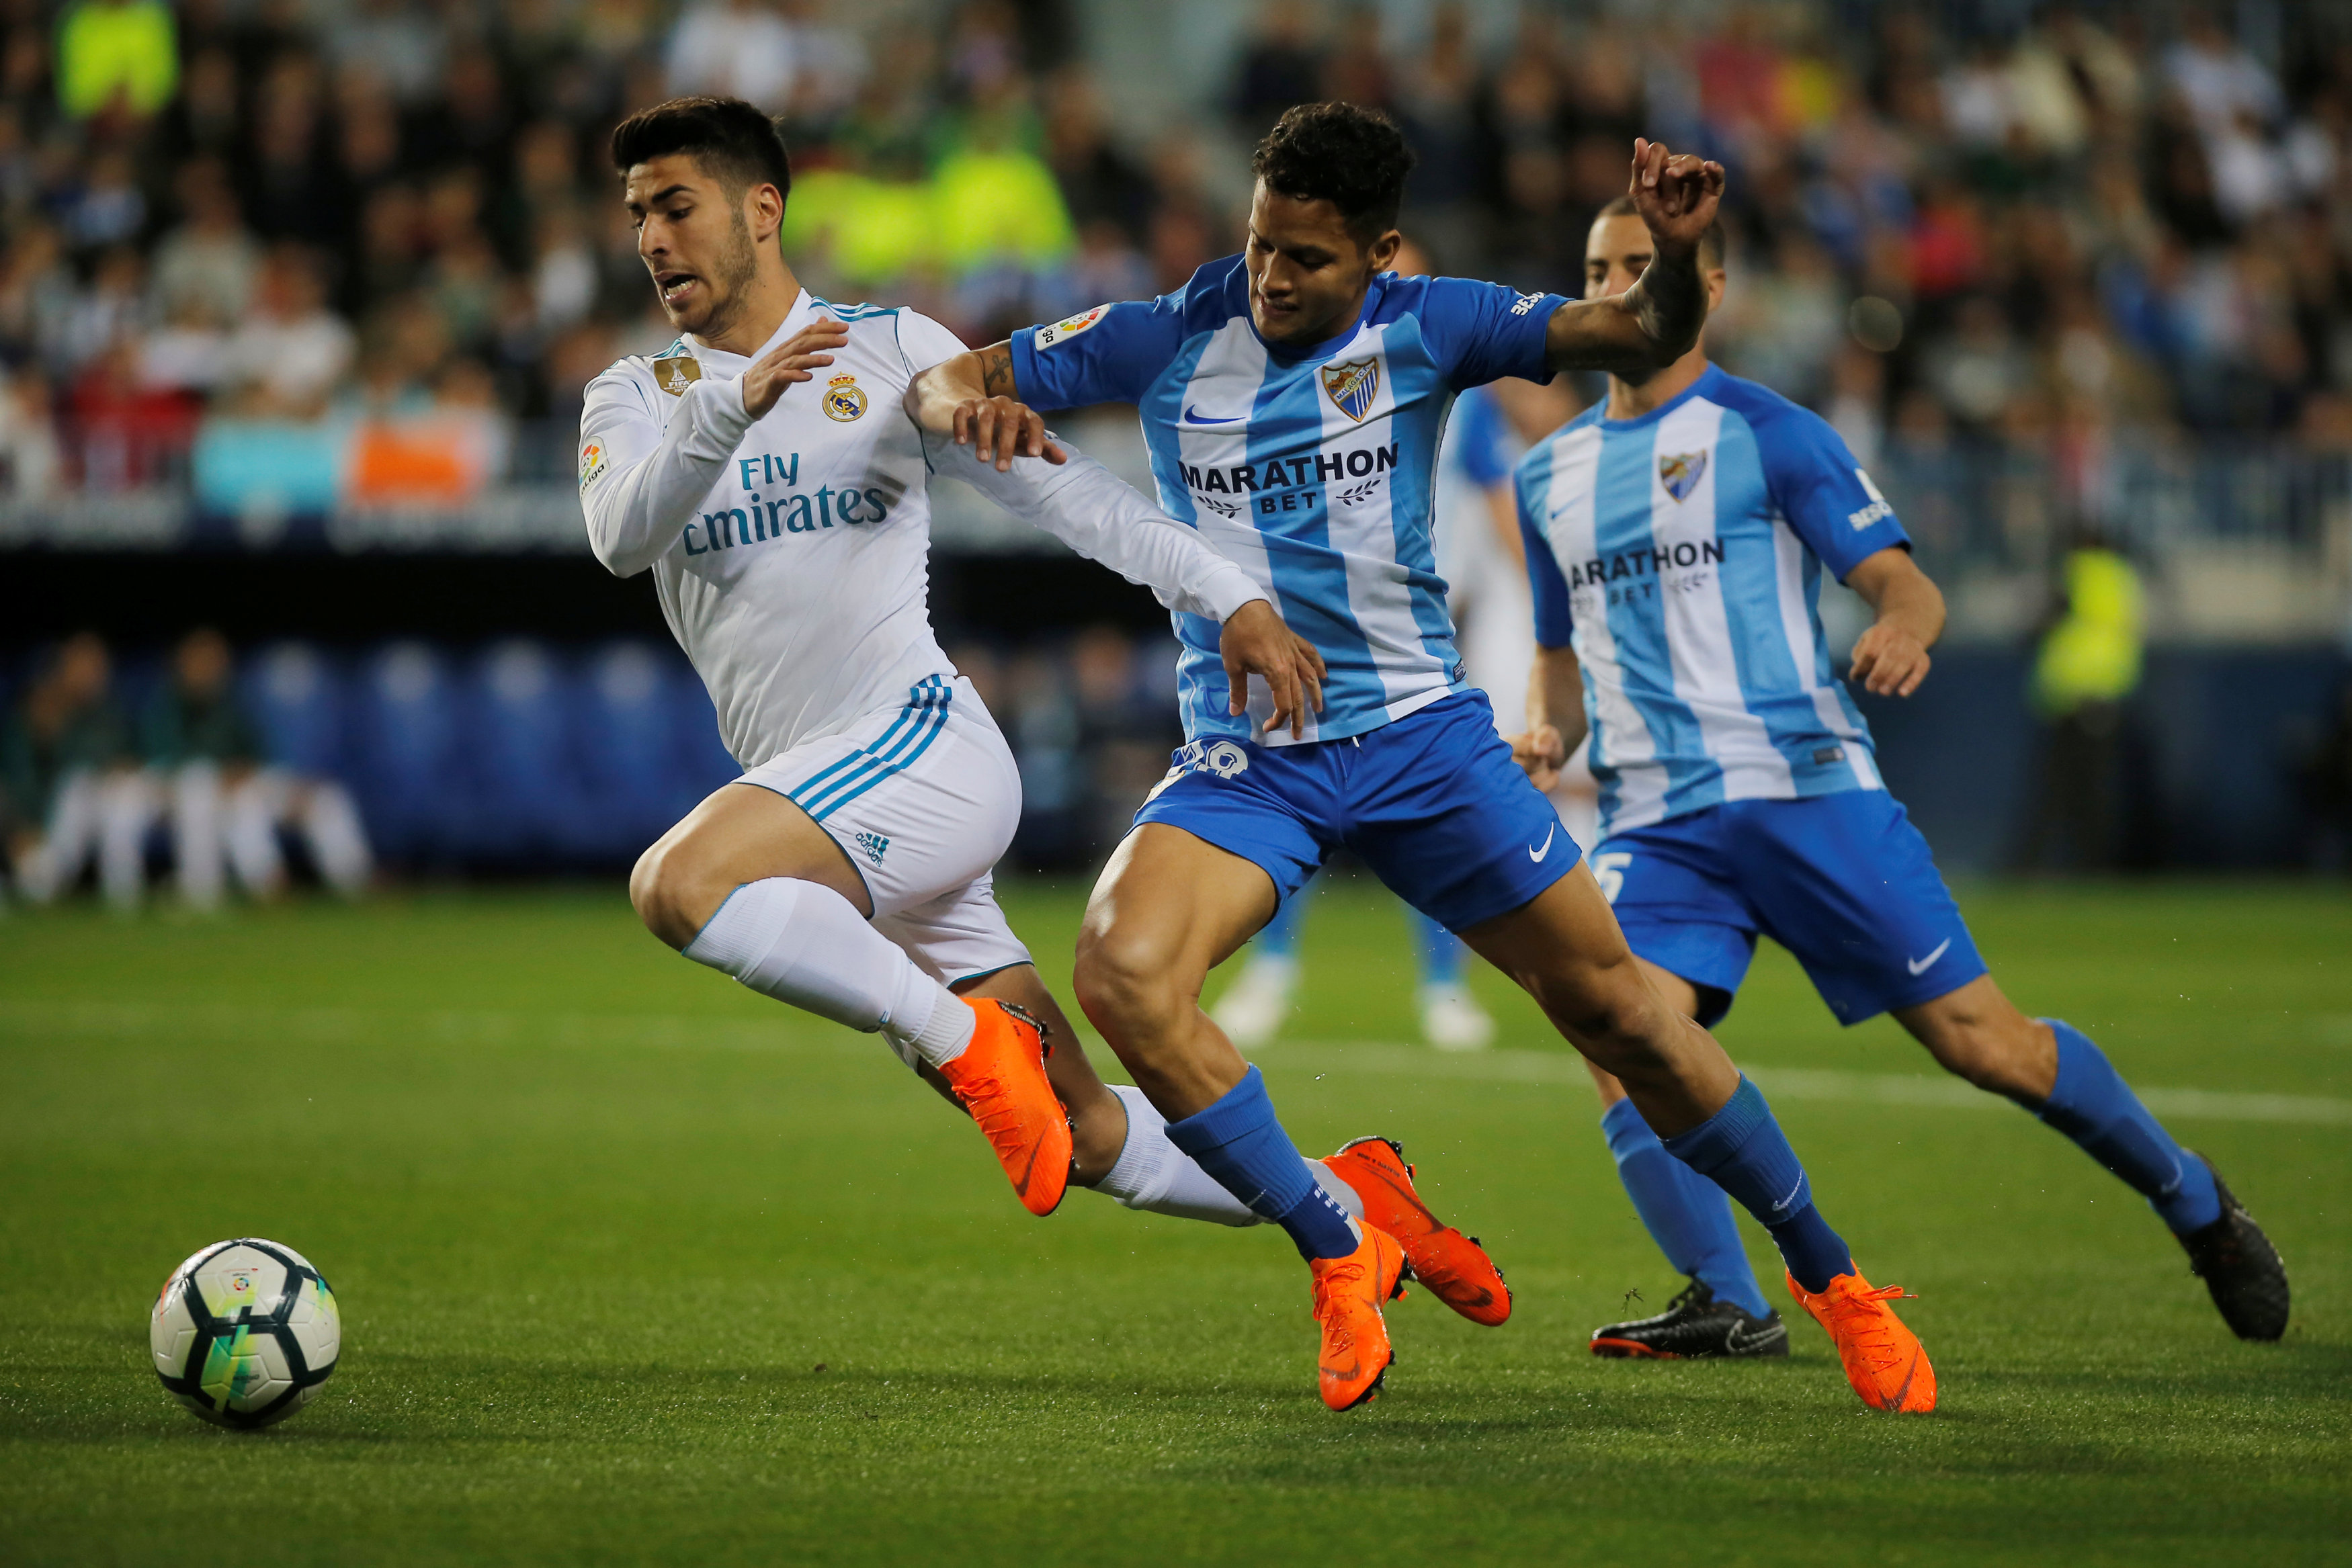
{"x": 1125, "y": 983}
{"x": 668, "y": 894}
{"x": 1996, "y": 1054}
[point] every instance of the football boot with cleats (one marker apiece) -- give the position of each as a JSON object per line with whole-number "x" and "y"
{"x": 1884, "y": 1360}
{"x": 1454, "y": 1267}
{"x": 1355, "y": 1354}
{"x": 1001, "y": 1080}
{"x": 2242, "y": 1271}
{"x": 1694, "y": 1325}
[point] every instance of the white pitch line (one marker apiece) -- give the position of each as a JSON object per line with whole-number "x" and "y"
{"x": 688, "y": 1032}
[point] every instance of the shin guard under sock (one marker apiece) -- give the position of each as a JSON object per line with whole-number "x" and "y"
{"x": 1688, "y": 1216}
{"x": 2091, "y": 1104}
{"x": 1742, "y": 1149}
{"x": 1240, "y": 1144}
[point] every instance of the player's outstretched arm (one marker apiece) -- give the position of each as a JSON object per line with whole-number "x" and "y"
{"x": 1653, "y": 323}
{"x": 1890, "y": 659}
{"x": 971, "y": 397}
{"x": 1556, "y": 720}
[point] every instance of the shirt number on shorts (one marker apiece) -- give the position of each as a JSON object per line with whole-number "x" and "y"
{"x": 1609, "y": 871}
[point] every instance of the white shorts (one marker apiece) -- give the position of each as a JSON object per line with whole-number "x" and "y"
{"x": 923, "y": 799}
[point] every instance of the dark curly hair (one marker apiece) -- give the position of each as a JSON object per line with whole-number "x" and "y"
{"x": 732, "y": 141}
{"x": 1352, "y": 157}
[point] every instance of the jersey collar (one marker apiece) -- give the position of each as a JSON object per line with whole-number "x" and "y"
{"x": 802, "y": 312}
{"x": 1706, "y": 382}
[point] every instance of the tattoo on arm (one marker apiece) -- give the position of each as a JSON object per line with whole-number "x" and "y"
{"x": 996, "y": 370}
{"x": 1669, "y": 301}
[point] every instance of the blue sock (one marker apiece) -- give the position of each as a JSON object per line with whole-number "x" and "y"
{"x": 1688, "y": 1216}
{"x": 1244, "y": 1150}
{"x": 2091, "y": 1104}
{"x": 1742, "y": 1149}
{"x": 1279, "y": 936}
{"x": 1439, "y": 950}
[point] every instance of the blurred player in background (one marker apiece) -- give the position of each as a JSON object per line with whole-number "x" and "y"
{"x": 73, "y": 788}
{"x": 209, "y": 773}
{"x": 849, "y": 872}
{"x": 1292, "y": 398}
{"x": 1479, "y": 555}
{"x": 1676, "y": 534}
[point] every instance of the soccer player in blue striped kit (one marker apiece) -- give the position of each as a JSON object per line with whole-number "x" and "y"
{"x": 1677, "y": 535}
{"x": 1292, "y": 398}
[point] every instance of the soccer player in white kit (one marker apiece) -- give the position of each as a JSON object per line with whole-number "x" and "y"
{"x": 764, "y": 469}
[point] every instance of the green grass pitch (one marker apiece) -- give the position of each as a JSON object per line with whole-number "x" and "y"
{"x": 636, "y": 1266}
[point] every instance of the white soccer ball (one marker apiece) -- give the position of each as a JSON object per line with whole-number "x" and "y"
{"x": 244, "y": 1332}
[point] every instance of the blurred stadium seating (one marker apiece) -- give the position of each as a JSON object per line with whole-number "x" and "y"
{"x": 295, "y": 279}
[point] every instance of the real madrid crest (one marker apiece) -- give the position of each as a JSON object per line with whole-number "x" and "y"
{"x": 843, "y": 400}
{"x": 673, "y": 374}
{"x": 1352, "y": 386}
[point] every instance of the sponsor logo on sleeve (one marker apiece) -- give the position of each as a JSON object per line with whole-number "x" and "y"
{"x": 673, "y": 375}
{"x": 1681, "y": 473}
{"x": 844, "y": 399}
{"x": 1069, "y": 327}
{"x": 1877, "y": 509}
{"x": 1526, "y": 303}
{"x": 594, "y": 461}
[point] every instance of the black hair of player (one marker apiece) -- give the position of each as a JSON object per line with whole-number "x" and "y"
{"x": 1710, "y": 243}
{"x": 732, "y": 141}
{"x": 1352, "y": 157}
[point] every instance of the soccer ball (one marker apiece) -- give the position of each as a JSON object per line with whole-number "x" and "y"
{"x": 244, "y": 1332}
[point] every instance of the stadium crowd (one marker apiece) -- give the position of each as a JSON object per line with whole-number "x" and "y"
{"x": 2106, "y": 220}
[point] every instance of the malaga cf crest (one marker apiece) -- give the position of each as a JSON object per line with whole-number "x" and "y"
{"x": 1352, "y": 386}
{"x": 1680, "y": 472}
{"x": 843, "y": 400}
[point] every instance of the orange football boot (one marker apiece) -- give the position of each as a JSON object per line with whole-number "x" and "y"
{"x": 1348, "y": 1296}
{"x": 1001, "y": 1080}
{"x": 1454, "y": 1267}
{"x": 1884, "y": 1360}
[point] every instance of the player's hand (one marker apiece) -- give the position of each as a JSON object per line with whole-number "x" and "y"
{"x": 1676, "y": 192}
{"x": 1540, "y": 754}
{"x": 797, "y": 359}
{"x": 1258, "y": 641}
{"x": 999, "y": 429}
{"x": 1889, "y": 662}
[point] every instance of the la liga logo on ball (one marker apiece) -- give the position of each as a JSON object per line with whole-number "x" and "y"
{"x": 245, "y": 1333}
{"x": 843, "y": 399}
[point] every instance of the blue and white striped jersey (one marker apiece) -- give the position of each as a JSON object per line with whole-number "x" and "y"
{"x": 1680, "y": 554}
{"x": 1312, "y": 469}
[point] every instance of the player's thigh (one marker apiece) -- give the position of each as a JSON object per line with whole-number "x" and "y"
{"x": 739, "y": 833}
{"x": 1977, "y": 1032}
{"x": 1169, "y": 907}
{"x": 1849, "y": 886}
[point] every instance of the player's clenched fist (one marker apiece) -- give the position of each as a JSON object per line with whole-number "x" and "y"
{"x": 1258, "y": 641}
{"x": 1676, "y": 192}
{"x": 999, "y": 429}
{"x": 1540, "y": 753}
{"x": 796, "y": 359}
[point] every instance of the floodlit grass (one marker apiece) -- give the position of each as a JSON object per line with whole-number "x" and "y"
{"x": 637, "y": 1267}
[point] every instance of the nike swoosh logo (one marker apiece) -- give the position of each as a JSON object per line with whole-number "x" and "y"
{"x": 1740, "y": 1338}
{"x": 1021, "y": 1184}
{"x": 1194, "y": 416}
{"x": 1921, "y": 966}
{"x": 1537, "y": 855}
{"x": 1792, "y": 1192}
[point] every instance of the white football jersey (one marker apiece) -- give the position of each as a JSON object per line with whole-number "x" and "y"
{"x": 797, "y": 581}
{"x": 791, "y": 552}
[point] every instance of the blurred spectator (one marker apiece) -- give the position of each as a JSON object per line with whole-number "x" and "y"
{"x": 1281, "y": 66}
{"x": 29, "y": 438}
{"x": 72, "y": 790}
{"x": 2087, "y": 667}
{"x": 225, "y": 803}
{"x": 205, "y": 266}
{"x": 116, "y": 54}
{"x": 735, "y": 48}
{"x": 290, "y": 351}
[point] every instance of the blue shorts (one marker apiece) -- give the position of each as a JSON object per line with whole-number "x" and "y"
{"x": 1431, "y": 802}
{"x": 1844, "y": 881}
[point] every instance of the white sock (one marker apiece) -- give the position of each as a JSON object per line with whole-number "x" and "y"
{"x": 1153, "y": 1174}
{"x": 804, "y": 944}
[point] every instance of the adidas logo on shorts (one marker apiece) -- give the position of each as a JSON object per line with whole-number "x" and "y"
{"x": 874, "y": 845}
